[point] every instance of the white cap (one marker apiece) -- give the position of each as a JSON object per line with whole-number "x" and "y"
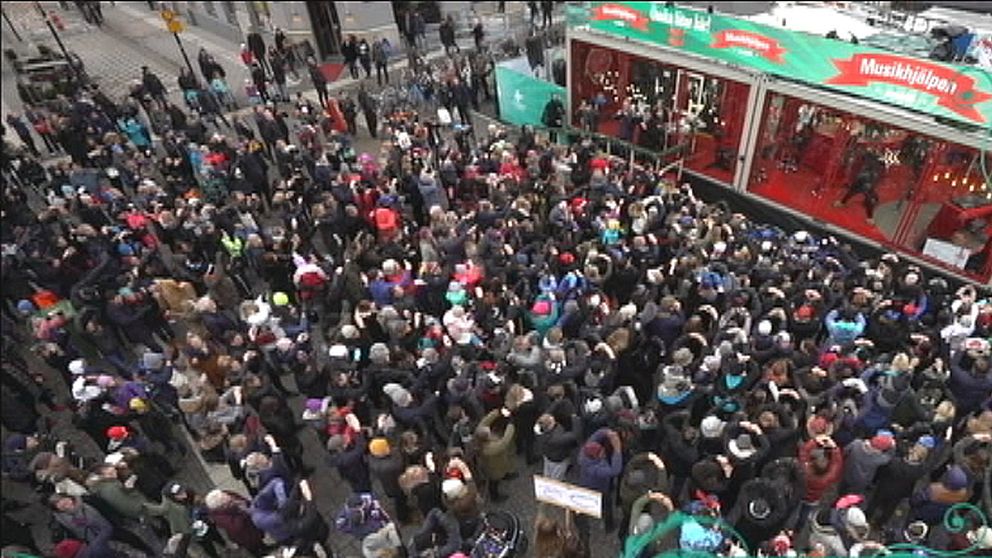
{"x": 452, "y": 488}
{"x": 77, "y": 367}
{"x": 338, "y": 351}
{"x": 114, "y": 458}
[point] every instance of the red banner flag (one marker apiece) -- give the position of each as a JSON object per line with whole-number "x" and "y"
{"x": 613, "y": 12}
{"x": 954, "y": 90}
{"x": 766, "y": 47}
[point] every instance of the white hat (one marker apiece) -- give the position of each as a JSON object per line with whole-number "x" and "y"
{"x": 82, "y": 391}
{"x": 765, "y": 327}
{"x": 215, "y": 499}
{"x": 711, "y": 427}
{"x": 855, "y": 518}
{"x": 628, "y": 311}
{"x": 338, "y": 351}
{"x": 452, "y": 488}
{"x": 77, "y": 367}
{"x": 349, "y": 331}
{"x": 593, "y": 406}
{"x": 114, "y": 458}
{"x": 398, "y": 394}
{"x": 742, "y": 446}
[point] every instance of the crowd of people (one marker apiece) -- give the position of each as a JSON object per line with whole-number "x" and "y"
{"x": 474, "y": 306}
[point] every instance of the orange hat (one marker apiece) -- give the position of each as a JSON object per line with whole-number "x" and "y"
{"x": 117, "y": 433}
{"x": 379, "y": 447}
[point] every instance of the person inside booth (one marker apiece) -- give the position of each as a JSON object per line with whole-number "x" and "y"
{"x": 865, "y": 183}
{"x": 975, "y": 237}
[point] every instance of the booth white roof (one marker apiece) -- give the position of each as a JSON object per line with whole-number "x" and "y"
{"x": 818, "y": 19}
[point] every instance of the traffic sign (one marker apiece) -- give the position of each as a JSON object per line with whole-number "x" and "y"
{"x": 175, "y": 26}
{"x": 168, "y": 15}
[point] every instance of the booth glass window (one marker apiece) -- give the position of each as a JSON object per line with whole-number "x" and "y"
{"x": 895, "y": 186}
{"x": 657, "y": 105}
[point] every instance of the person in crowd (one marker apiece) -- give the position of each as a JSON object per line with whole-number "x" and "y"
{"x": 381, "y": 51}
{"x": 447, "y": 33}
{"x": 349, "y": 50}
{"x": 319, "y": 81}
{"x": 365, "y": 56}
{"x": 153, "y": 86}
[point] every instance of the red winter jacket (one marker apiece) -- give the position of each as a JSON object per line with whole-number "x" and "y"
{"x": 818, "y": 483}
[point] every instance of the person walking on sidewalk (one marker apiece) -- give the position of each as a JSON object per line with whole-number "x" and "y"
{"x": 319, "y": 83}
{"x": 258, "y": 78}
{"x": 547, "y": 8}
{"x": 210, "y": 108}
{"x": 257, "y": 45}
{"x": 15, "y": 121}
{"x": 41, "y": 122}
{"x": 153, "y": 86}
{"x": 247, "y": 58}
{"x": 420, "y": 24}
{"x": 553, "y": 116}
{"x": 365, "y": 56}
{"x": 367, "y": 103}
{"x": 222, "y": 90}
{"x": 478, "y": 33}
{"x": 349, "y": 112}
{"x": 380, "y": 55}
{"x": 462, "y": 97}
{"x": 209, "y": 66}
{"x": 410, "y": 28}
{"x": 447, "y": 34}
{"x": 349, "y": 50}
{"x": 278, "y": 68}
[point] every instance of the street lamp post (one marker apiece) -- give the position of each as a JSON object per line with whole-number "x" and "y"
{"x": 58, "y": 40}
{"x": 176, "y": 26}
{"x": 183, "y": 51}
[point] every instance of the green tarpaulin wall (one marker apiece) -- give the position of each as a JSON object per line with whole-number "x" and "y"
{"x": 522, "y": 97}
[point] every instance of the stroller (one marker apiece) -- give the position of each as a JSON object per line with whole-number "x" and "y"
{"x": 500, "y": 536}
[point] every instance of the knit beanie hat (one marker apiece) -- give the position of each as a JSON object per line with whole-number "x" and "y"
{"x": 398, "y": 394}
{"x": 68, "y": 548}
{"x": 593, "y": 450}
{"x": 379, "y": 447}
{"x": 955, "y": 478}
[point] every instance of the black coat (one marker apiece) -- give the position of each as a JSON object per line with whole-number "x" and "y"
{"x": 447, "y": 33}
{"x": 257, "y": 45}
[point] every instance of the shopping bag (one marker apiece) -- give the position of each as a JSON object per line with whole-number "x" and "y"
{"x": 443, "y": 116}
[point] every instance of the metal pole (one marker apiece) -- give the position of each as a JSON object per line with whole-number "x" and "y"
{"x": 58, "y": 40}
{"x": 183, "y": 51}
{"x": 11, "y": 25}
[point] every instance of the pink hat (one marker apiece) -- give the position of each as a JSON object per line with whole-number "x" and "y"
{"x": 541, "y": 308}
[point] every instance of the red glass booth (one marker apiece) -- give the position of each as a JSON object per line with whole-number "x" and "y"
{"x": 883, "y": 182}
{"x": 904, "y": 180}
{"x": 673, "y": 104}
